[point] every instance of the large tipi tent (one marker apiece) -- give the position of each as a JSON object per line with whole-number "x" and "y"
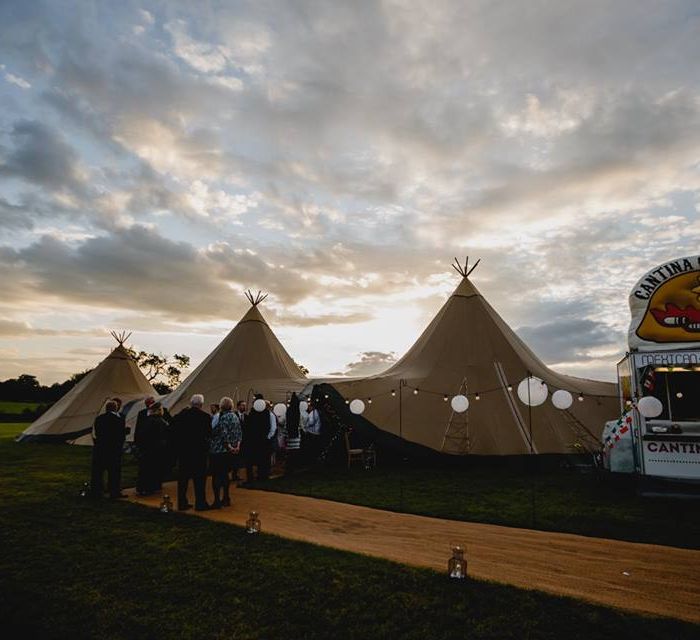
{"x": 469, "y": 349}
{"x": 250, "y": 359}
{"x": 72, "y": 417}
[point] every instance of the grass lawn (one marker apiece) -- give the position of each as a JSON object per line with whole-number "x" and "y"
{"x": 71, "y": 567}
{"x": 564, "y": 501}
{"x": 17, "y": 407}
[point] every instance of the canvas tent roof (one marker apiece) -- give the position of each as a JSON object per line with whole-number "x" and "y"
{"x": 249, "y": 359}
{"x": 74, "y": 414}
{"x": 468, "y": 341}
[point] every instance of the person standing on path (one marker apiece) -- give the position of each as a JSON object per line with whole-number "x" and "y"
{"x": 258, "y": 429}
{"x": 109, "y": 435}
{"x": 225, "y": 443}
{"x": 192, "y": 432}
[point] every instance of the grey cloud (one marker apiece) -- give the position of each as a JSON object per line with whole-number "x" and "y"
{"x": 42, "y": 156}
{"x": 568, "y": 340}
{"x": 21, "y": 329}
{"x": 15, "y": 215}
{"x": 370, "y": 362}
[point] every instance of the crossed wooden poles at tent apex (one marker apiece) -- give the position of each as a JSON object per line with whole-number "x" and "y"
{"x": 464, "y": 271}
{"x": 256, "y": 299}
{"x": 120, "y": 337}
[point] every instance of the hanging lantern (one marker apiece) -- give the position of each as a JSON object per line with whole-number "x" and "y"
{"x": 280, "y": 410}
{"x": 460, "y": 403}
{"x": 445, "y": 398}
{"x": 477, "y": 397}
{"x": 393, "y": 393}
{"x": 166, "y": 504}
{"x": 650, "y": 407}
{"x": 85, "y": 490}
{"x": 415, "y": 392}
{"x": 457, "y": 564}
{"x": 510, "y": 387}
{"x": 369, "y": 400}
{"x": 260, "y": 405}
{"x": 532, "y": 391}
{"x": 357, "y": 406}
{"x": 580, "y": 397}
{"x": 252, "y": 524}
{"x": 562, "y": 399}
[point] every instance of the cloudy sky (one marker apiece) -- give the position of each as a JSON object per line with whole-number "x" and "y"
{"x": 158, "y": 158}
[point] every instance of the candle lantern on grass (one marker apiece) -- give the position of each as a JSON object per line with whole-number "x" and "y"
{"x": 252, "y": 524}
{"x": 457, "y": 564}
{"x": 85, "y": 490}
{"x": 166, "y": 504}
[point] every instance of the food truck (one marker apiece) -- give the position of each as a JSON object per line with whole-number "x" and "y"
{"x": 663, "y": 362}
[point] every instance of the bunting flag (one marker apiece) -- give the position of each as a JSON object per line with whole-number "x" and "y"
{"x": 649, "y": 380}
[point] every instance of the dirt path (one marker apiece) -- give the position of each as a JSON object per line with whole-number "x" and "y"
{"x": 644, "y": 578}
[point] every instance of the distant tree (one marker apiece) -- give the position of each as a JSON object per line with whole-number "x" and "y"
{"x": 302, "y": 368}
{"x": 162, "y": 372}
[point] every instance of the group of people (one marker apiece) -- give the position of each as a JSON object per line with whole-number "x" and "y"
{"x": 218, "y": 443}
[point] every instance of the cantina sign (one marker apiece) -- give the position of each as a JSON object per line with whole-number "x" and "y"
{"x": 665, "y": 307}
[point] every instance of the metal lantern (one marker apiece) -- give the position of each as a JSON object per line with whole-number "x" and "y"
{"x": 252, "y": 524}
{"x": 85, "y": 491}
{"x": 166, "y": 504}
{"x": 457, "y": 564}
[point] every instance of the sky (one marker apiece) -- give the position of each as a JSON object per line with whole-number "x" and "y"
{"x": 157, "y": 159}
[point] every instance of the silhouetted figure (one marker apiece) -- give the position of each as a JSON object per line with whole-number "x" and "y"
{"x": 109, "y": 435}
{"x": 293, "y": 420}
{"x": 191, "y": 430}
{"x": 150, "y": 438}
{"x": 258, "y": 428}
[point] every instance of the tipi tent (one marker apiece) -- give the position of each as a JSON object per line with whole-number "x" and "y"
{"x": 250, "y": 359}
{"x": 468, "y": 349}
{"x": 73, "y": 415}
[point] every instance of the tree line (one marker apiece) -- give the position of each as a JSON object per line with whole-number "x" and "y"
{"x": 162, "y": 372}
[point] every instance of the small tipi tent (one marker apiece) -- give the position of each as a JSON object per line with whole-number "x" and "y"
{"x": 468, "y": 349}
{"x": 250, "y": 359}
{"x": 74, "y": 414}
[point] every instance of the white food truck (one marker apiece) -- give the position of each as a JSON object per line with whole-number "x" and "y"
{"x": 663, "y": 362}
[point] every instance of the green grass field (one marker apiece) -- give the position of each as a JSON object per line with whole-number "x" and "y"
{"x": 17, "y": 407}
{"x": 563, "y": 501}
{"x": 74, "y": 568}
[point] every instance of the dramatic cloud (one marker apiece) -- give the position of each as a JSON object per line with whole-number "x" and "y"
{"x": 156, "y": 159}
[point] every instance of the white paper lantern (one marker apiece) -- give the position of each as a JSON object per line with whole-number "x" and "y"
{"x": 303, "y": 406}
{"x": 357, "y": 406}
{"x": 537, "y": 391}
{"x": 650, "y": 407}
{"x": 459, "y": 403}
{"x": 562, "y": 399}
{"x": 280, "y": 409}
{"x": 259, "y": 405}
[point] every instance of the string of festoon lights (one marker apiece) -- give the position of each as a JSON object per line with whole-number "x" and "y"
{"x": 532, "y": 391}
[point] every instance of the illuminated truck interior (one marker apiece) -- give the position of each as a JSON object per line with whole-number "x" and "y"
{"x": 678, "y": 389}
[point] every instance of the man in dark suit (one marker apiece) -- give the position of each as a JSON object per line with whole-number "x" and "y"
{"x": 109, "y": 435}
{"x": 191, "y": 430}
{"x": 258, "y": 429}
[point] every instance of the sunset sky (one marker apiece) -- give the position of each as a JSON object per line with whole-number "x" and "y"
{"x": 159, "y": 158}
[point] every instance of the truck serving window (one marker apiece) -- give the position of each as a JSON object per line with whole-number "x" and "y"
{"x": 684, "y": 395}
